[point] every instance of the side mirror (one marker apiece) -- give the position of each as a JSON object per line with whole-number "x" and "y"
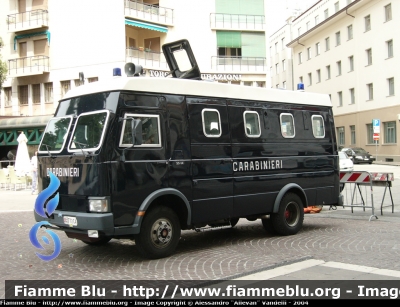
{"x": 137, "y": 137}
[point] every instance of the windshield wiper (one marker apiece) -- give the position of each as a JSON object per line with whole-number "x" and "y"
{"x": 82, "y": 144}
{"x": 47, "y": 148}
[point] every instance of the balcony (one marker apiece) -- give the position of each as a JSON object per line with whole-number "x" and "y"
{"x": 250, "y": 64}
{"x": 237, "y": 22}
{"x": 28, "y": 66}
{"x": 146, "y": 58}
{"x": 35, "y": 19}
{"x": 149, "y": 12}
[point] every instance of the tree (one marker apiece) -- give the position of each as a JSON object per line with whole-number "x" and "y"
{"x": 3, "y": 67}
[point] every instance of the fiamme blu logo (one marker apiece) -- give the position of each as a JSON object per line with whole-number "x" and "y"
{"x": 45, "y": 206}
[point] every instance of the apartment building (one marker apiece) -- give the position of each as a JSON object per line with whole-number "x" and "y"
{"x": 51, "y": 46}
{"x": 347, "y": 49}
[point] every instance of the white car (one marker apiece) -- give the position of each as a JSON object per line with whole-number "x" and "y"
{"x": 346, "y": 164}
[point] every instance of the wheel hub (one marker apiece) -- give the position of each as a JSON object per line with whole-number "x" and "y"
{"x": 162, "y": 232}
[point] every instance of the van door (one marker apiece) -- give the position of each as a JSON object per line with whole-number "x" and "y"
{"x": 211, "y": 159}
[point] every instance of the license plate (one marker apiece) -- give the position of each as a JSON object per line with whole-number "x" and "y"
{"x": 70, "y": 220}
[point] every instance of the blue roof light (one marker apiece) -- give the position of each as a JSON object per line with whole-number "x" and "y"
{"x": 117, "y": 72}
{"x": 300, "y": 86}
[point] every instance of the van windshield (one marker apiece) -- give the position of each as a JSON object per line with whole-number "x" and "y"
{"x": 54, "y": 136}
{"x": 89, "y": 131}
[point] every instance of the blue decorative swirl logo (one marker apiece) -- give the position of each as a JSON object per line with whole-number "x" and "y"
{"x": 46, "y": 211}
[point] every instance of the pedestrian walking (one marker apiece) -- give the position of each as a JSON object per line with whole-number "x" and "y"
{"x": 34, "y": 172}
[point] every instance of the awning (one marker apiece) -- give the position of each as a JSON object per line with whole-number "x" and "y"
{"x": 47, "y": 33}
{"x": 24, "y": 121}
{"x": 146, "y": 25}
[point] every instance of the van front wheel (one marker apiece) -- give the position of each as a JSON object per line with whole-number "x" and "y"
{"x": 290, "y": 216}
{"x": 159, "y": 234}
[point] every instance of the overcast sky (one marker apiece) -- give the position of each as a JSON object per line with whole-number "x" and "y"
{"x": 278, "y": 11}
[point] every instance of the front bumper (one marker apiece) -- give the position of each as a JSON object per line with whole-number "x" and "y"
{"x": 102, "y": 222}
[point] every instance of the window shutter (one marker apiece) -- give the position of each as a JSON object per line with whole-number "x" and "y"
{"x": 229, "y": 39}
{"x": 253, "y": 45}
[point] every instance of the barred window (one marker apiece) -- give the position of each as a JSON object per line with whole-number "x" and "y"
{"x": 48, "y": 92}
{"x": 36, "y": 93}
{"x": 390, "y": 132}
{"x": 65, "y": 87}
{"x": 7, "y": 96}
{"x": 23, "y": 95}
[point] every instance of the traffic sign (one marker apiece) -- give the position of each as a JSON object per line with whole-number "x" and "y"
{"x": 376, "y": 137}
{"x": 376, "y": 125}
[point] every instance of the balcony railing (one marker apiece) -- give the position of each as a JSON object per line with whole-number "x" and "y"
{"x": 236, "y": 21}
{"x": 239, "y": 63}
{"x": 27, "y": 20}
{"x": 147, "y": 58}
{"x": 33, "y": 65}
{"x": 148, "y": 12}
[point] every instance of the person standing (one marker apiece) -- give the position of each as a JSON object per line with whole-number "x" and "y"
{"x": 34, "y": 171}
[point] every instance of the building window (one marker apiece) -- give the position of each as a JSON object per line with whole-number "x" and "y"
{"x": 301, "y": 79}
{"x": 369, "y": 56}
{"x": 284, "y": 84}
{"x": 36, "y": 93}
{"x": 390, "y": 132}
{"x": 339, "y": 67}
{"x": 352, "y": 96}
{"x": 370, "y": 91}
{"x": 283, "y": 65}
{"x": 340, "y": 135}
{"x": 340, "y": 99}
{"x": 326, "y": 13}
{"x": 352, "y": 135}
{"x": 317, "y": 49}
{"x": 336, "y": 6}
{"x": 48, "y": 92}
{"x": 318, "y": 75}
{"x": 276, "y": 47}
{"x": 299, "y": 31}
{"x": 271, "y": 71}
{"x": 94, "y": 79}
{"x": 23, "y": 95}
{"x": 309, "y": 79}
{"x": 370, "y": 135}
{"x": 283, "y": 43}
{"x": 247, "y": 83}
{"x": 351, "y": 63}
{"x": 337, "y": 38}
{"x": 308, "y": 53}
{"x": 388, "y": 12}
{"x": 328, "y": 72}
{"x": 350, "y": 32}
{"x": 78, "y": 82}
{"x": 7, "y": 96}
{"x": 276, "y": 68}
{"x": 316, "y": 19}
{"x": 327, "y": 47}
{"x": 65, "y": 87}
{"x": 308, "y": 25}
{"x": 367, "y": 21}
{"x": 391, "y": 86}
{"x": 300, "y": 57}
{"x": 259, "y": 83}
{"x": 389, "y": 45}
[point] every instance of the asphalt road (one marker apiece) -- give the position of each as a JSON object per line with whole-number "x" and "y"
{"x": 333, "y": 244}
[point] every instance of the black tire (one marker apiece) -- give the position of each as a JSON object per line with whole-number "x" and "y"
{"x": 159, "y": 234}
{"x": 267, "y": 224}
{"x": 100, "y": 241}
{"x": 290, "y": 216}
{"x": 234, "y": 221}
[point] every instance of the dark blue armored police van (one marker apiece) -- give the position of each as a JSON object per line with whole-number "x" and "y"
{"x": 144, "y": 158}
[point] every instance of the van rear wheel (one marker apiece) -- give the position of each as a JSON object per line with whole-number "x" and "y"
{"x": 159, "y": 234}
{"x": 290, "y": 216}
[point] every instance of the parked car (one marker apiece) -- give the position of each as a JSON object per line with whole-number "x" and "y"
{"x": 359, "y": 155}
{"x": 346, "y": 164}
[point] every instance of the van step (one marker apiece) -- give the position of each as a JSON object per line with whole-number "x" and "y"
{"x": 208, "y": 228}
